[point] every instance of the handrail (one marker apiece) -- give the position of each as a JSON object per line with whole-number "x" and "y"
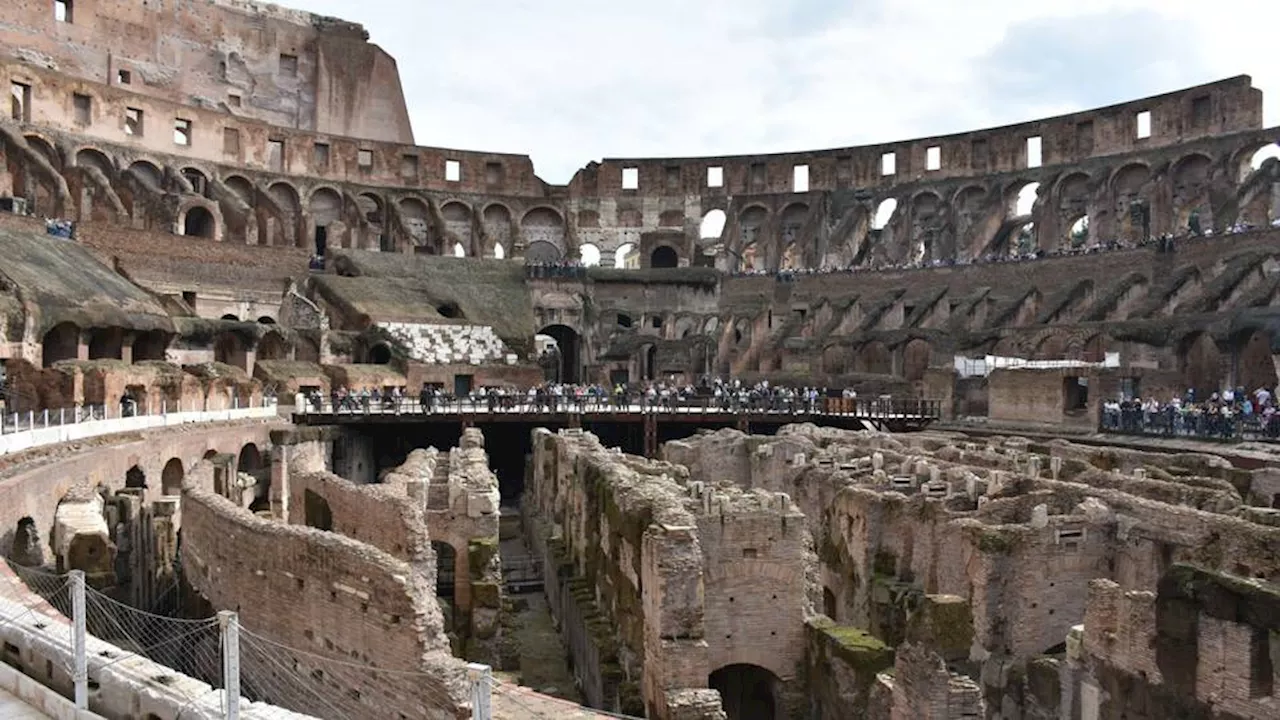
{"x": 874, "y": 409}
{"x": 24, "y": 431}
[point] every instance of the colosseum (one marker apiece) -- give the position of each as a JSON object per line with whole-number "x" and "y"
{"x": 304, "y": 420}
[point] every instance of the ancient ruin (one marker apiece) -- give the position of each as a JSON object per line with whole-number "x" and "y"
{"x": 264, "y": 356}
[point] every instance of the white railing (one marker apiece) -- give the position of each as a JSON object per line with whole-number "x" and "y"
{"x": 23, "y": 431}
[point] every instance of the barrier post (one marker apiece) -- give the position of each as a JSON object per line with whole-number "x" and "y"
{"x": 229, "y": 624}
{"x": 80, "y": 669}
{"x": 481, "y": 677}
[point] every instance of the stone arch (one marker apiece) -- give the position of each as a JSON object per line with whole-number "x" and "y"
{"x": 148, "y": 173}
{"x": 712, "y": 225}
{"x": 790, "y": 224}
{"x": 1051, "y": 347}
{"x": 926, "y": 206}
{"x": 61, "y": 342}
{"x": 1129, "y": 178}
{"x": 135, "y": 477}
{"x": 1191, "y": 176}
{"x": 884, "y": 213}
{"x": 272, "y": 346}
{"x": 1131, "y": 210}
{"x": 1077, "y": 232}
{"x": 171, "y": 477}
{"x": 589, "y": 253}
{"x": 197, "y": 221}
{"x": 242, "y": 187}
{"x": 838, "y": 360}
{"x": 747, "y": 692}
{"x": 874, "y": 358}
{"x": 457, "y": 222}
{"x": 95, "y": 158}
{"x": 623, "y": 254}
{"x": 541, "y": 252}
{"x": 373, "y": 216}
{"x": 414, "y": 216}
{"x": 916, "y": 356}
{"x": 229, "y": 349}
{"x": 496, "y": 220}
{"x": 1250, "y": 158}
{"x": 249, "y": 459}
{"x": 282, "y": 229}
{"x": 751, "y": 221}
{"x": 325, "y": 206}
{"x": 568, "y": 346}
{"x": 1200, "y": 363}
{"x": 664, "y": 256}
{"x": 197, "y": 179}
{"x": 630, "y": 218}
{"x": 1254, "y": 367}
{"x": 45, "y": 147}
{"x": 671, "y": 219}
{"x": 973, "y": 220}
{"x": 543, "y": 224}
{"x": 1021, "y": 198}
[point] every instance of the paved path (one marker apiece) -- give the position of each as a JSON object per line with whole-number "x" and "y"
{"x": 11, "y": 708}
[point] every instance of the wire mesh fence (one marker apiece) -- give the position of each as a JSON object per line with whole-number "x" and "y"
{"x": 191, "y": 647}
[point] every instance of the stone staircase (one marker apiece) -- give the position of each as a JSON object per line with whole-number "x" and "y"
{"x": 449, "y": 344}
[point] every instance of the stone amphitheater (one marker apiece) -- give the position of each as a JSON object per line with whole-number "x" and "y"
{"x": 214, "y": 231}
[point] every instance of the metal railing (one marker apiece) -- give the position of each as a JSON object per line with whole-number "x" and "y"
{"x": 446, "y": 405}
{"x": 1191, "y": 424}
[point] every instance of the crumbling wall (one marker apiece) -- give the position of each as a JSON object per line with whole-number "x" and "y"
{"x": 328, "y": 595}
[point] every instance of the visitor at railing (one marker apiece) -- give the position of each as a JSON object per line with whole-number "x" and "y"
{"x": 1231, "y": 414}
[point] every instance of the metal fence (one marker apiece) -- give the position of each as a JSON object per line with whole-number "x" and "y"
{"x": 1191, "y": 424}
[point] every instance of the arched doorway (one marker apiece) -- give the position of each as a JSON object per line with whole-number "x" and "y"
{"x": 1201, "y": 364}
{"x": 62, "y": 342}
{"x": 664, "y": 257}
{"x": 198, "y": 223}
{"x": 171, "y": 477}
{"x": 135, "y": 478}
{"x": 230, "y": 350}
{"x": 568, "y": 344}
{"x": 1254, "y": 366}
{"x": 747, "y": 692}
{"x": 250, "y": 463}
{"x": 380, "y": 354}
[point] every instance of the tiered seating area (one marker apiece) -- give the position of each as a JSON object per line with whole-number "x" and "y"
{"x": 449, "y": 344}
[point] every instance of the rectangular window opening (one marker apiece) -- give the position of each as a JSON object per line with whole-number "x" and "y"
{"x": 715, "y": 177}
{"x": 133, "y": 122}
{"x": 20, "y": 101}
{"x": 933, "y": 158}
{"x": 124, "y": 77}
{"x": 631, "y": 178}
{"x": 364, "y": 160}
{"x": 62, "y": 11}
{"x": 234, "y": 100}
{"x": 888, "y": 164}
{"x": 409, "y": 167}
{"x": 231, "y": 141}
{"x": 83, "y": 105}
{"x": 800, "y": 178}
{"x": 452, "y": 171}
{"x": 1262, "y": 662}
{"x": 275, "y": 155}
{"x": 493, "y": 174}
{"x": 182, "y": 132}
{"x": 1142, "y": 121}
{"x": 320, "y": 156}
{"x": 288, "y": 65}
{"x": 1034, "y": 158}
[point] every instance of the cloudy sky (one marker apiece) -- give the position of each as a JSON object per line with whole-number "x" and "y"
{"x": 570, "y": 81}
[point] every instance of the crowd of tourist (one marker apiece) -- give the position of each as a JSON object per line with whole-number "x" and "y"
{"x": 708, "y": 393}
{"x": 1229, "y": 414}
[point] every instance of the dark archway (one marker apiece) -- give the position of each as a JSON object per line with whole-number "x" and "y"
{"x": 171, "y": 477}
{"x": 229, "y": 349}
{"x": 568, "y": 344}
{"x": 664, "y": 256}
{"x": 650, "y": 370}
{"x": 316, "y": 511}
{"x": 380, "y": 354}
{"x": 272, "y": 347}
{"x": 150, "y": 346}
{"x": 1201, "y": 364}
{"x": 747, "y": 692}
{"x": 62, "y": 342}
{"x": 446, "y": 569}
{"x": 199, "y": 222}
{"x": 1254, "y": 365}
{"x": 829, "y": 603}
{"x": 135, "y": 478}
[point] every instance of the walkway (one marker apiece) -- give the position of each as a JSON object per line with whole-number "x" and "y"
{"x": 11, "y": 708}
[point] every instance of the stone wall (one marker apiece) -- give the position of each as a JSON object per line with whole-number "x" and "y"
{"x": 328, "y": 595}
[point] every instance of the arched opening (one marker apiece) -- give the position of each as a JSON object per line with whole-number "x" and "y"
{"x": 27, "y": 550}
{"x": 272, "y": 347}
{"x": 562, "y": 363}
{"x": 664, "y": 256}
{"x": 148, "y": 173}
{"x": 199, "y": 183}
{"x": 499, "y": 252}
{"x": 1078, "y": 235}
{"x": 171, "y": 477}
{"x": 542, "y": 253}
{"x": 413, "y": 217}
{"x": 198, "y": 223}
{"x": 747, "y": 692}
{"x": 150, "y": 346}
{"x": 446, "y": 569}
{"x": 325, "y": 209}
{"x": 1254, "y": 366}
{"x": 231, "y": 318}
{"x": 230, "y": 350}
{"x": 315, "y": 511}
{"x": 650, "y": 369}
{"x": 915, "y": 359}
{"x": 134, "y": 477}
{"x": 829, "y": 603}
{"x": 874, "y": 358}
{"x": 712, "y": 225}
{"x": 266, "y": 320}
{"x": 62, "y": 342}
{"x": 1201, "y": 364}
{"x": 884, "y": 213}
{"x": 380, "y": 354}
{"x": 250, "y": 463}
{"x": 590, "y": 254}
{"x": 624, "y": 256}
{"x": 1264, "y": 154}
{"x": 242, "y": 188}
{"x": 1026, "y": 200}
{"x": 106, "y": 344}
{"x": 1023, "y": 241}
{"x": 543, "y": 225}
{"x": 459, "y": 250}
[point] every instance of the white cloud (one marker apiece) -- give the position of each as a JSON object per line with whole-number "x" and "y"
{"x": 570, "y": 81}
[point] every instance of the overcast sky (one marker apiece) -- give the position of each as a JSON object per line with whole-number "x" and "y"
{"x": 570, "y": 81}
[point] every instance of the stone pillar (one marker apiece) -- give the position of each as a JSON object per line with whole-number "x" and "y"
{"x": 82, "y": 348}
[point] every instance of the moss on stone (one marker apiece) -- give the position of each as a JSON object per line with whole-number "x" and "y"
{"x": 481, "y": 552}
{"x": 996, "y": 542}
{"x": 859, "y": 649}
{"x": 486, "y": 595}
